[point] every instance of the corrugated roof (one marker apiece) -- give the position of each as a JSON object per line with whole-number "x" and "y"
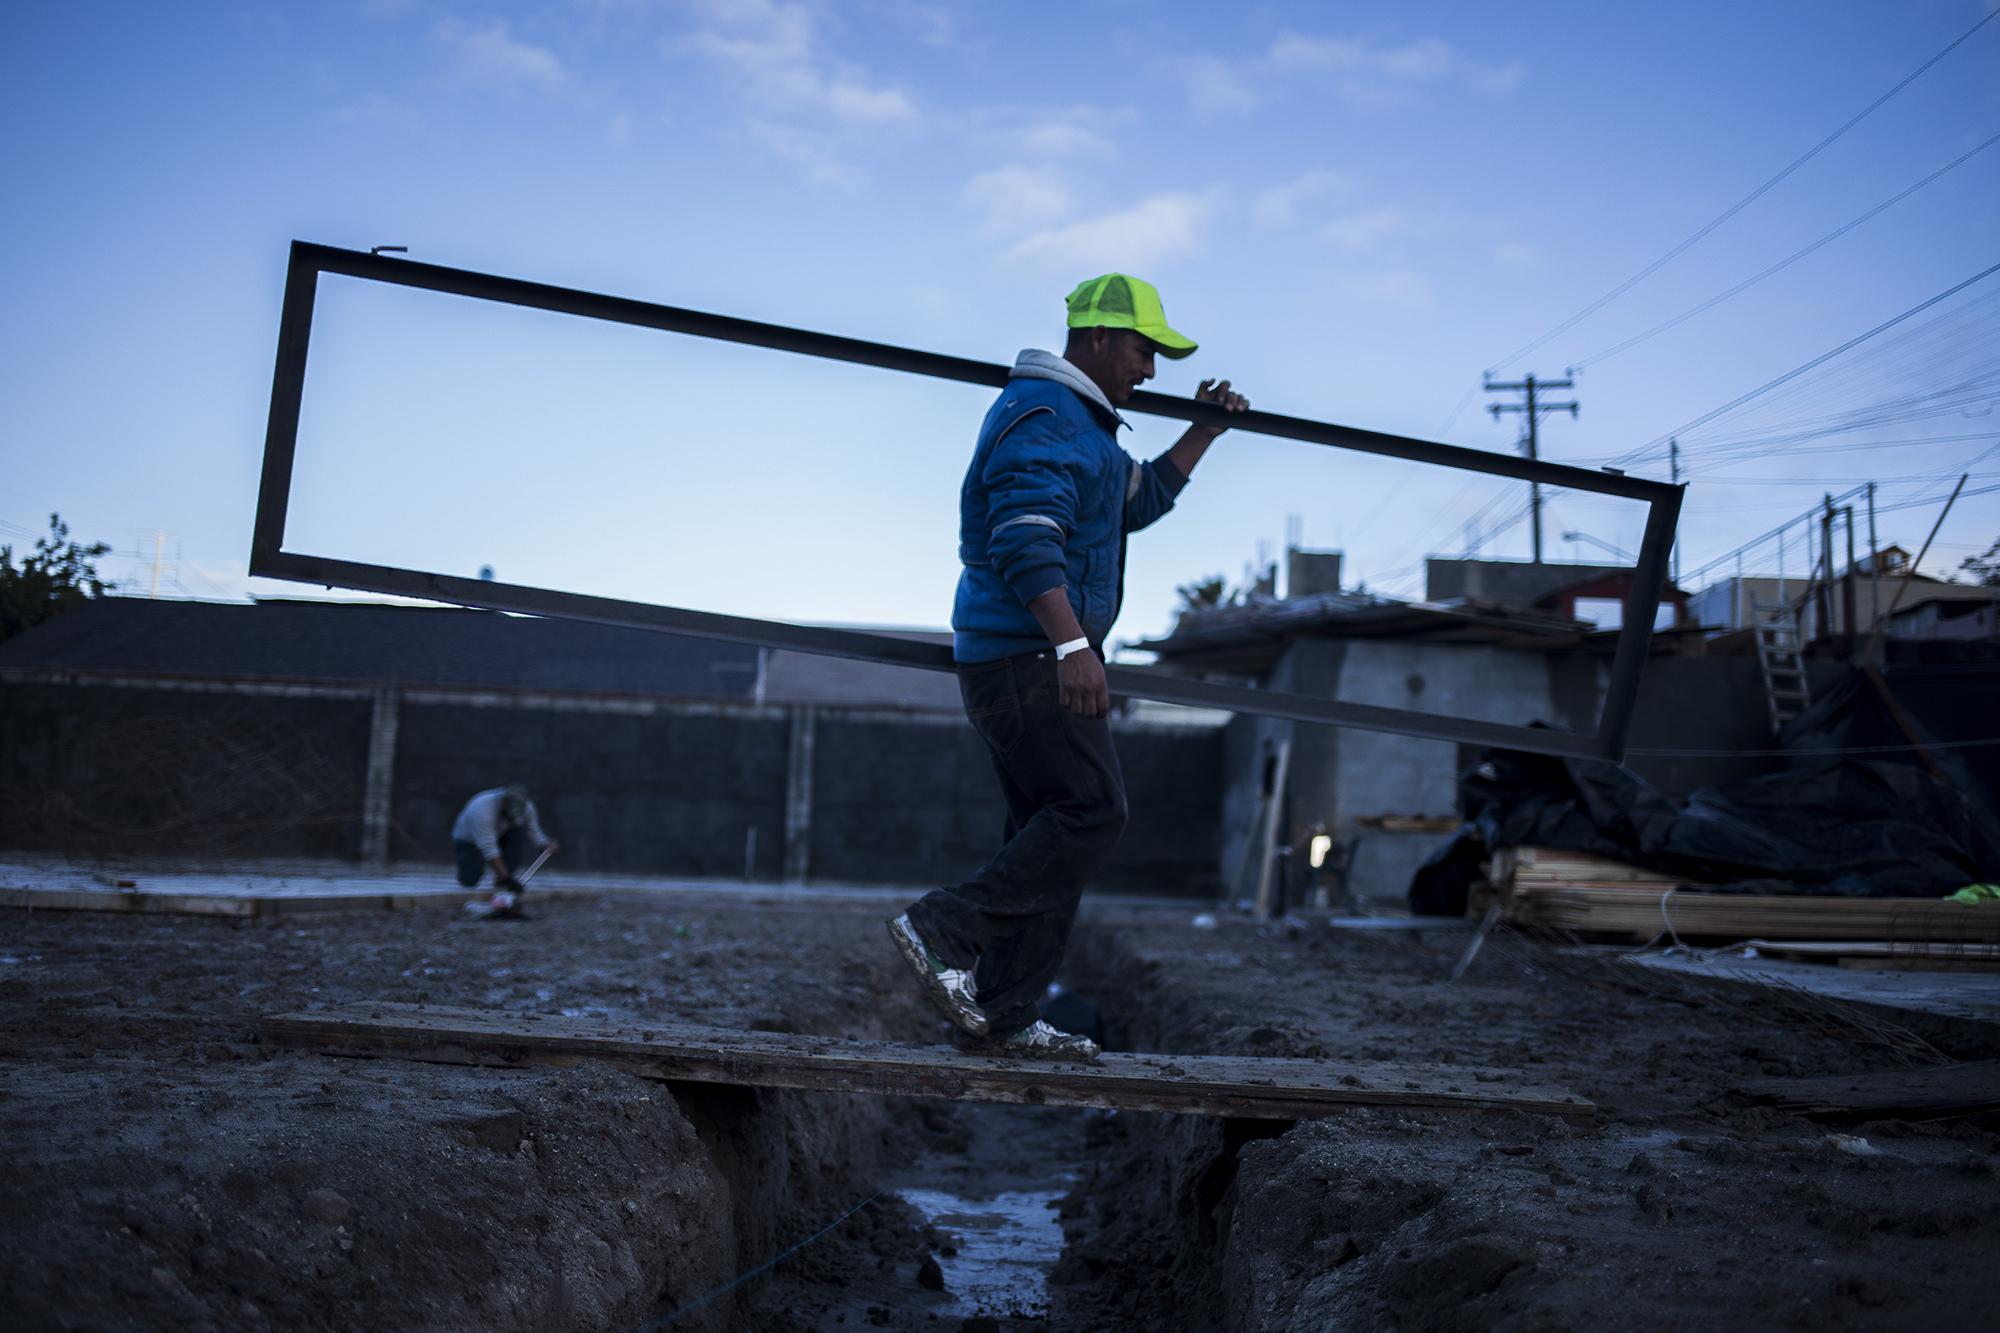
{"x": 1360, "y": 615}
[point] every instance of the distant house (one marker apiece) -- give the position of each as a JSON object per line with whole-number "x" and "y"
{"x": 1499, "y": 641}
{"x": 1872, "y": 586}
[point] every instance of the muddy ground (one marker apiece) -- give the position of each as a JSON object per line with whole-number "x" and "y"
{"x": 163, "y": 1171}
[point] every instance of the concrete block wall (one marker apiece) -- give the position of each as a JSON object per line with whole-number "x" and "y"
{"x": 682, "y": 793}
{"x": 670, "y": 787}
{"x": 129, "y": 773}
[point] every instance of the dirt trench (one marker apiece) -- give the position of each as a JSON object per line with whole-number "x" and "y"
{"x": 1680, "y": 1206}
{"x": 164, "y": 1171}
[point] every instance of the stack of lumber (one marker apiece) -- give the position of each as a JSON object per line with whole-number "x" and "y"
{"x": 1547, "y": 887}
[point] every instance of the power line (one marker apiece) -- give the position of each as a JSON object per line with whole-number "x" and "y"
{"x": 1819, "y": 360}
{"x": 1782, "y": 264}
{"x": 1742, "y": 203}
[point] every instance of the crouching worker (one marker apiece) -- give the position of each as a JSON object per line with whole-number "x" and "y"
{"x": 498, "y": 828}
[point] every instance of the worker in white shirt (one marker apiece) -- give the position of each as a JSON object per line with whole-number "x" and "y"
{"x": 499, "y": 828}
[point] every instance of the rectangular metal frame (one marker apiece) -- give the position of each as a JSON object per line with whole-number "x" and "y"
{"x": 269, "y": 559}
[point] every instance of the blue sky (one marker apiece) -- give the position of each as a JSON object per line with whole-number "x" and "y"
{"x": 1355, "y": 208}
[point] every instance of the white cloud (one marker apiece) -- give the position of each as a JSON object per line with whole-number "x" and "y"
{"x": 857, "y": 104}
{"x": 816, "y": 156}
{"x": 1404, "y": 287}
{"x": 1014, "y": 199}
{"x": 1365, "y": 230}
{"x": 1294, "y": 51}
{"x": 1278, "y": 205}
{"x": 1516, "y": 254}
{"x": 490, "y": 53}
{"x": 1215, "y": 87}
{"x": 1499, "y": 80}
{"x": 1161, "y": 227}
{"x": 774, "y": 50}
{"x": 1063, "y": 137}
{"x": 1371, "y": 73}
{"x": 802, "y": 103}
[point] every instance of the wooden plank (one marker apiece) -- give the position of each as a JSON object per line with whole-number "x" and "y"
{"x": 1186, "y": 1084}
{"x": 1266, "y": 865}
{"x": 90, "y": 900}
{"x": 1945, "y": 1090}
{"x": 1622, "y": 908}
{"x": 256, "y": 906}
{"x": 1931, "y": 950}
{"x": 1555, "y": 863}
{"x": 1411, "y": 823}
{"x": 1919, "y": 963}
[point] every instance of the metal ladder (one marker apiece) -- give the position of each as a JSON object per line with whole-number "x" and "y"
{"x": 1778, "y": 656}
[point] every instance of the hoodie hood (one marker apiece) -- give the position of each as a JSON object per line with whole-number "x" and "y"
{"x": 1034, "y": 364}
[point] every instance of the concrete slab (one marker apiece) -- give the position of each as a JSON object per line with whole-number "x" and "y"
{"x": 28, "y": 882}
{"x": 1961, "y": 995}
{"x": 1392, "y": 923}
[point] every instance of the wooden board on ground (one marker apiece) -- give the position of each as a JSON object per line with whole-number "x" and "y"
{"x": 1561, "y": 890}
{"x": 242, "y": 906}
{"x": 1887, "y": 955}
{"x": 1920, "y": 1093}
{"x": 1553, "y": 865}
{"x": 1741, "y": 916}
{"x": 1187, "y": 1084}
{"x": 1411, "y": 823}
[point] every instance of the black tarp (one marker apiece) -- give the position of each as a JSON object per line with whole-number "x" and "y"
{"x": 1828, "y": 825}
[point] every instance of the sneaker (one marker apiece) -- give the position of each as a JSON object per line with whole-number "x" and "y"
{"x": 502, "y": 906}
{"x": 1039, "y": 1041}
{"x": 951, "y": 989}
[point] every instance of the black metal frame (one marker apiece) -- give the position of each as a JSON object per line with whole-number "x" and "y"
{"x": 269, "y": 559}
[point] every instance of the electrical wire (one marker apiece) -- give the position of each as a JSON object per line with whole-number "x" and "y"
{"x": 1778, "y": 267}
{"x": 1742, "y": 203}
{"x": 1817, "y": 361}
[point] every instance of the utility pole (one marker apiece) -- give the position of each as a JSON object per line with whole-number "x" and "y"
{"x": 1532, "y": 410}
{"x": 1674, "y": 474}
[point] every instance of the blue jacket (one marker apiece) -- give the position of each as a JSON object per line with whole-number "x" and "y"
{"x": 1047, "y": 503}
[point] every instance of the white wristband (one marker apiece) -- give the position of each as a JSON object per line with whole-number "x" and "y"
{"x": 1065, "y": 649}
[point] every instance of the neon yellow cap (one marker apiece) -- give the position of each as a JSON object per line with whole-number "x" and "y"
{"x": 1120, "y": 301}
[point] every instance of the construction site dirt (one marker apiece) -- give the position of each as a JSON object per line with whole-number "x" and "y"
{"x": 163, "y": 1169}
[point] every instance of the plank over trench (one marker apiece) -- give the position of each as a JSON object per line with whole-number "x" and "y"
{"x": 1187, "y": 1084}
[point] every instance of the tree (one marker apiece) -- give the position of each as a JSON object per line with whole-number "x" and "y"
{"x": 57, "y": 575}
{"x": 1205, "y": 594}
{"x": 1984, "y": 569}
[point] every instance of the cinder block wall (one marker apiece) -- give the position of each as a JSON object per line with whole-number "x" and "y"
{"x": 669, "y": 792}
{"x": 128, "y": 772}
{"x": 684, "y": 789}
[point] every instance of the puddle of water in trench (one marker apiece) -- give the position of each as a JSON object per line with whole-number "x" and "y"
{"x": 1007, "y": 1243}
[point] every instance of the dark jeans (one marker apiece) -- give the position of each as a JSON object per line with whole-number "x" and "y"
{"x": 472, "y": 862}
{"x": 1065, "y": 811}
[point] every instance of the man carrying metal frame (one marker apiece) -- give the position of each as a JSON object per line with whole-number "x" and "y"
{"x": 1044, "y": 513}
